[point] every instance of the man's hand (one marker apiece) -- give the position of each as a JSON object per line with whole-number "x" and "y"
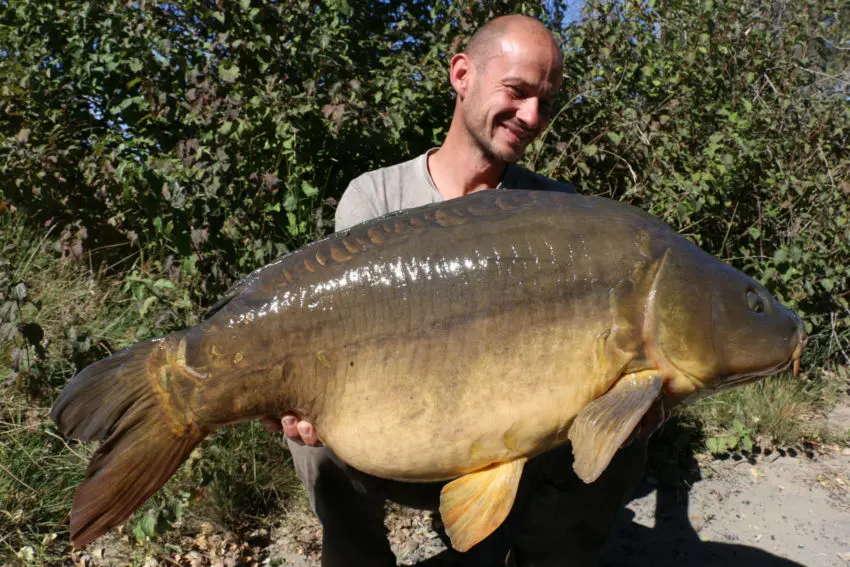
{"x": 299, "y": 430}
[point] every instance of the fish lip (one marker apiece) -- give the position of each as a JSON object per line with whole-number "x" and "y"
{"x": 730, "y": 381}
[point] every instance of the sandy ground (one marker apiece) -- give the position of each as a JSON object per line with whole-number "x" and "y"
{"x": 782, "y": 510}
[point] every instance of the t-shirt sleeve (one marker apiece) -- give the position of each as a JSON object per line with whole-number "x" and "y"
{"x": 357, "y": 204}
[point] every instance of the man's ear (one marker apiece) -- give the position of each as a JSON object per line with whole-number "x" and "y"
{"x": 461, "y": 73}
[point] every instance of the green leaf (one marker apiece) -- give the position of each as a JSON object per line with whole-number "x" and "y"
{"x": 615, "y": 137}
{"x": 715, "y": 445}
{"x": 229, "y": 74}
{"x": 19, "y": 292}
{"x": 146, "y": 304}
{"x": 145, "y": 527}
{"x": 739, "y": 427}
{"x": 308, "y": 189}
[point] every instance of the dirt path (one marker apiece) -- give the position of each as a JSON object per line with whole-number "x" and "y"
{"x": 782, "y": 510}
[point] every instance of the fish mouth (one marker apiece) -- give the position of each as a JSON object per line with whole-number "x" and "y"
{"x": 730, "y": 381}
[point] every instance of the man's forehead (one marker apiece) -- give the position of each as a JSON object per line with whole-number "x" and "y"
{"x": 515, "y": 61}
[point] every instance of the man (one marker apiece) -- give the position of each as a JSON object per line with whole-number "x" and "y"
{"x": 506, "y": 83}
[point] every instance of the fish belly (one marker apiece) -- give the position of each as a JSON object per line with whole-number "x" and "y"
{"x": 453, "y": 400}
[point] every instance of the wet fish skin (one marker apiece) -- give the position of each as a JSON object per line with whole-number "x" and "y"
{"x": 496, "y": 319}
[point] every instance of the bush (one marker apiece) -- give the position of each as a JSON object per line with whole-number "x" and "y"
{"x": 213, "y": 137}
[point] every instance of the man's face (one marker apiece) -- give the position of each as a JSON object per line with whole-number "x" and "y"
{"x": 510, "y": 98}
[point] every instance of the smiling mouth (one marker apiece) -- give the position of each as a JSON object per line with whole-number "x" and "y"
{"x": 521, "y": 136}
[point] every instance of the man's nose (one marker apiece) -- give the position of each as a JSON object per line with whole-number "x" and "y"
{"x": 529, "y": 113}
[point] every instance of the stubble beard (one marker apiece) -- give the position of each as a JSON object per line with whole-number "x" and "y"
{"x": 485, "y": 143}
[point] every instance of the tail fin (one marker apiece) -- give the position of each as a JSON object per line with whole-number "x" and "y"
{"x": 120, "y": 399}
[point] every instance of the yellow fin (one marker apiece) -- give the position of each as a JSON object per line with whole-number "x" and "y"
{"x": 474, "y": 505}
{"x": 604, "y": 425}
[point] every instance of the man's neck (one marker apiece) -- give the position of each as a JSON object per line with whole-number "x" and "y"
{"x": 458, "y": 168}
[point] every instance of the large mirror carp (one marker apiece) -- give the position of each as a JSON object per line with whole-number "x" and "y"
{"x": 510, "y": 322}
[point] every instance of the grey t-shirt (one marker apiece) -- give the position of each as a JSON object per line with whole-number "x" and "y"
{"x": 409, "y": 184}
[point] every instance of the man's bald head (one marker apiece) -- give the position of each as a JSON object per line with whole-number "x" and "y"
{"x": 490, "y": 40}
{"x": 507, "y": 80}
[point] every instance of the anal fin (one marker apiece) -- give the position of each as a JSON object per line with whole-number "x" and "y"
{"x": 474, "y": 505}
{"x": 607, "y": 422}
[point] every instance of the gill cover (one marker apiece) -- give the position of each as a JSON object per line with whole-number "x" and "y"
{"x": 715, "y": 325}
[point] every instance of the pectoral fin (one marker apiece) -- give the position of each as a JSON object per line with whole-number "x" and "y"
{"x": 474, "y": 505}
{"x": 601, "y": 428}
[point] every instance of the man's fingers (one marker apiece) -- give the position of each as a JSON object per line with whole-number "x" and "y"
{"x": 270, "y": 424}
{"x": 308, "y": 433}
{"x": 299, "y": 430}
{"x": 290, "y": 429}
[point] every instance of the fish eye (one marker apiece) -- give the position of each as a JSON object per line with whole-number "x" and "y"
{"x": 755, "y": 302}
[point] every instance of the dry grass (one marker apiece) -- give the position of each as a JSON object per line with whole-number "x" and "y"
{"x": 779, "y": 411}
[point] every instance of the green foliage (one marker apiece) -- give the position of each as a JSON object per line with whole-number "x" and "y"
{"x": 740, "y": 438}
{"x": 211, "y": 134}
{"x": 246, "y": 475}
{"x": 159, "y": 517}
{"x": 239, "y": 475}
{"x": 779, "y": 411}
{"x": 38, "y": 474}
{"x": 212, "y": 137}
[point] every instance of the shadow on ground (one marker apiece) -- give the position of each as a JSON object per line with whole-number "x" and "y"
{"x": 673, "y": 540}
